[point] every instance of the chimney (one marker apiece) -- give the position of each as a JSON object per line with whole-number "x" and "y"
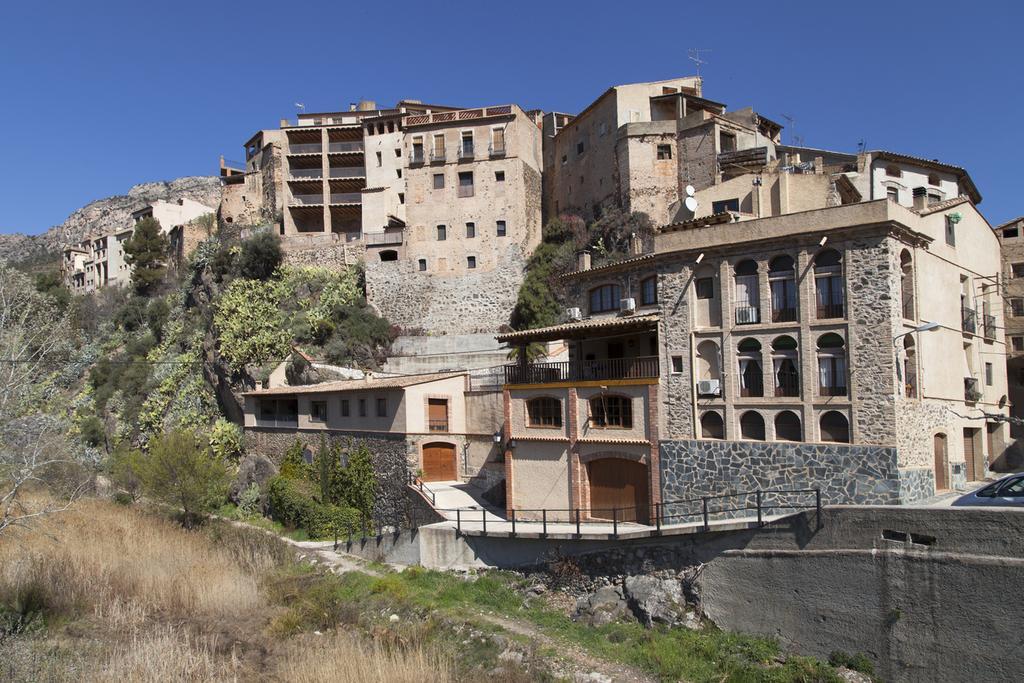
{"x": 582, "y": 261}
{"x": 920, "y": 198}
{"x": 636, "y": 245}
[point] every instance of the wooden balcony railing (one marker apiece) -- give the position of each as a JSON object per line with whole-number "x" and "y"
{"x": 645, "y": 367}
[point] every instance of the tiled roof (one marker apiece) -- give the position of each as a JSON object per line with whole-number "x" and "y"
{"x": 720, "y": 217}
{"x": 972, "y": 190}
{"x": 610, "y": 266}
{"x": 567, "y": 330}
{"x": 941, "y": 206}
{"x": 1009, "y": 222}
{"x": 356, "y": 384}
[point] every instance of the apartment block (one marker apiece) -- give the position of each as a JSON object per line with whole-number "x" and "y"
{"x": 852, "y": 349}
{"x": 1011, "y": 241}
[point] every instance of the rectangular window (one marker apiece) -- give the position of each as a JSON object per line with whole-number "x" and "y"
{"x": 417, "y": 150}
{"x": 605, "y": 298}
{"x": 382, "y": 407}
{"x": 423, "y": 264}
{"x": 1017, "y": 269}
{"x": 401, "y": 198}
{"x": 1010, "y": 233}
{"x": 499, "y": 176}
{"x": 950, "y": 232}
{"x": 677, "y": 364}
{"x": 705, "y": 287}
{"x": 466, "y": 150}
{"x": 318, "y": 411}
{"x": 726, "y": 142}
{"x": 497, "y": 141}
{"x": 893, "y": 193}
{"x": 437, "y": 414}
{"x": 1017, "y": 307}
{"x": 471, "y": 261}
{"x": 439, "y": 152}
{"x": 726, "y": 205}
{"x": 502, "y": 229}
{"x": 1018, "y": 343}
{"x": 579, "y": 149}
{"x": 442, "y": 233}
{"x": 989, "y": 374}
{"x": 664, "y": 152}
{"x": 466, "y": 184}
{"x": 934, "y": 198}
{"x": 544, "y": 412}
{"x": 439, "y": 181}
{"x": 398, "y": 172}
{"x": 470, "y": 230}
{"x": 380, "y": 160}
{"x": 398, "y": 153}
{"x": 344, "y": 407}
{"x": 649, "y": 292}
{"x": 362, "y": 407}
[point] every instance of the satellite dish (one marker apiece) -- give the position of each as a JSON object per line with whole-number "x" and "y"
{"x": 691, "y": 204}
{"x": 689, "y": 190}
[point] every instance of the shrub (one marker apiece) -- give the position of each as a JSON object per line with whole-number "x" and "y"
{"x": 293, "y": 503}
{"x": 259, "y": 256}
{"x": 249, "y": 501}
{"x": 226, "y": 440}
{"x": 294, "y": 465}
{"x": 93, "y": 432}
{"x": 857, "y": 662}
{"x": 249, "y": 323}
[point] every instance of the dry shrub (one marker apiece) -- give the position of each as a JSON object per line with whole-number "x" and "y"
{"x": 340, "y": 657}
{"x": 124, "y": 565}
{"x": 164, "y": 654}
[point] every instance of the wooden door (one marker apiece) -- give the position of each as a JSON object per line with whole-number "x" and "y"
{"x": 620, "y": 484}
{"x": 439, "y": 462}
{"x": 941, "y": 463}
{"x": 970, "y": 457}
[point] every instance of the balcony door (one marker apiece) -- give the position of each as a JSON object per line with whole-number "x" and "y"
{"x": 437, "y": 414}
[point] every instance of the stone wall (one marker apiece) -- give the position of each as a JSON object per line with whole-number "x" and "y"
{"x": 916, "y": 484}
{"x": 329, "y": 250}
{"x": 390, "y": 460}
{"x": 844, "y": 473}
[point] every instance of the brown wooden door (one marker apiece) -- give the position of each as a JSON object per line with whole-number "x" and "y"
{"x": 970, "y": 456}
{"x": 941, "y": 463}
{"x": 621, "y": 484}
{"x": 439, "y": 462}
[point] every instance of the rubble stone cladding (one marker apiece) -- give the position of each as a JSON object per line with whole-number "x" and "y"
{"x": 390, "y": 463}
{"x": 845, "y": 474}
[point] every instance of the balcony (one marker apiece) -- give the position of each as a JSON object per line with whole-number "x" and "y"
{"x": 437, "y": 424}
{"x": 496, "y": 150}
{"x": 968, "y": 320}
{"x": 833, "y": 389}
{"x": 645, "y": 367}
{"x": 417, "y": 156}
{"x": 305, "y": 148}
{"x": 309, "y": 199}
{"x": 972, "y": 390}
{"x": 787, "y": 385}
{"x": 346, "y": 198}
{"x": 989, "y": 326}
{"x": 345, "y": 147}
{"x": 346, "y": 172}
{"x": 306, "y": 173}
{"x": 748, "y": 315}
{"x": 382, "y": 239}
{"x": 438, "y": 155}
{"x": 466, "y": 152}
{"x": 784, "y": 315}
{"x": 832, "y": 308}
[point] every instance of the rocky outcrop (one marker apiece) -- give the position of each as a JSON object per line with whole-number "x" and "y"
{"x": 107, "y": 214}
{"x": 254, "y": 468}
{"x": 661, "y": 597}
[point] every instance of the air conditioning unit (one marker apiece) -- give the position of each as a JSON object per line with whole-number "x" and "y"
{"x": 627, "y": 305}
{"x": 709, "y": 387}
{"x": 574, "y": 313}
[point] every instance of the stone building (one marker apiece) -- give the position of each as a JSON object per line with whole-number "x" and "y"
{"x": 850, "y": 348}
{"x": 1011, "y": 241}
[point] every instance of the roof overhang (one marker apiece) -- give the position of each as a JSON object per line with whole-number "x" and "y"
{"x": 582, "y": 329}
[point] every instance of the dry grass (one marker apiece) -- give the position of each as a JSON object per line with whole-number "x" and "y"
{"x": 337, "y": 656}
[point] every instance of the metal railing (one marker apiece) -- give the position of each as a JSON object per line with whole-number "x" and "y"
{"x": 832, "y": 390}
{"x": 305, "y": 148}
{"x": 642, "y": 367}
{"x": 787, "y": 385}
{"x": 384, "y": 238}
{"x": 442, "y": 117}
{"x": 784, "y": 315}
{"x": 417, "y": 157}
{"x": 346, "y": 198}
{"x": 343, "y": 147}
{"x": 346, "y": 172}
{"x": 496, "y": 150}
{"x": 831, "y": 309}
{"x": 438, "y": 155}
{"x": 466, "y": 151}
{"x": 747, "y": 315}
{"x": 437, "y": 424}
{"x": 968, "y": 319}
{"x": 989, "y": 326}
{"x": 315, "y": 173}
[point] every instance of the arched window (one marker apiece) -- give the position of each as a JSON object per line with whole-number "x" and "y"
{"x": 835, "y": 428}
{"x": 909, "y": 367}
{"x": 708, "y": 366}
{"x": 389, "y": 255}
{"x": 752, "y": 426}
{"x": 907, "y": 283}
{"x": 831, "y": 365}
{"x": 707, "y": 309}
{"x": 712, "y": 426}
{"x": 787, "y": 427}
{"x": 605, "y": 298}
{"x": 782, "y": 281}
{"x": 828, "y": 284}
{"x": 785, "y": 366}
{"x": 649, "y": 291}
{"x": 750, "y": 373}
{"x": 544, "y": 411}
{"x": 747, "y": 293}
{"x": 615, "y": 412}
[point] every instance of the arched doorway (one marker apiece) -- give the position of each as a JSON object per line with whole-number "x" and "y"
{"x": 439, "y": 462}
{"x": 620, "y": 484}
{"x": 941, "y": 463}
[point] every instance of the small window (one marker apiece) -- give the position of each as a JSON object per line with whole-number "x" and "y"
{"x": 344, "y": 407}
{"x": 398, "y": 153}
{"x": 705, "y": 287}
{"x": 950, "y": 232}
{"x": 649, "y": 292}
{"x": 502, "y": 228}
{"x": 565, "y": 158}
{"x": 439, "y": 181}
{"x": 362, "y": 407}
{"x": 934, "y": 198}
{"x": 1017, "y": 307}
{"x": 726, "y": 142}
{"x": 1010, "y": 233}
{"x": 1017, "y": 343}
{"x": 1017, "y": 269}
{"x": 422, "y": 264}
{"x": 471, "y": 261}
{"x": 382, "y": 407}
{"x": 398, "y": 172}
{"x": 724, "y": 205}
{"x": 989, "y": 374}
{"x": 677, "y": 364}
{"x": 579, "y": 149}
{"x": 466, "y": 184}
{"x": 499, "y": 176}
{"x": 605, "y": 298}
{"x": 318, "y": 410}
{"x": 389, "y": 255}
{"x": 893, "y": 171}
{"x": 893, "y": 193}
{"x": 470, "y": 230}
{"x": 380, "y": 159}
{"x": 401, "y": 198}
{"x": 544, "y": 412}
{"x": 442, "y": 233}
{"x": 933, "y": 179}
{"x": 611, "y": 412}
{"x": 664, "y": 152}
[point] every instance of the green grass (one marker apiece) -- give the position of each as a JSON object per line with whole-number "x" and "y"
{"x": 668, "y": 654}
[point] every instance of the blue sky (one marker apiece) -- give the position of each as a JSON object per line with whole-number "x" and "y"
{"x": 95, "y": 97}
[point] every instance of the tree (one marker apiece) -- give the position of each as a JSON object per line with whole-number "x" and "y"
{"x": 360, "y": 482}
{"x": 146, "y": 252}
{"x": 260, "y": 256}
{"x": 179, "y": 470}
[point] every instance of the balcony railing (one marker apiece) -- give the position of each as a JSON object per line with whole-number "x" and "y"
{"x": 787, "y": 385}
{"x": 748, "y": 315}
{"x": 496, "y": 150}
{"x": 832, "y": 390}
{"x": 831, "y": 309}
{"x": 968, "y": 319}
{"x": 344, "y": 147}
{"x": 387, "y": 237}
{"x": 437, "y": 424}
{"x": 307, "y": 199}
{"x": 305, "y": 148}
{"x": 416, "y": 156}
{"x": 910, "y": 384}
{"x": 306, "y": 173}
{"x": 346, "y": 198}
{"x": 438, "y": 155}
{"x": 783, "y": 315}
{"x": 972, "y": 392}
{"x": 644, "y": 367}
{"x": 466, "y": 151}
{"x": 990, "y": 326}
{"x": 346, "y": 172}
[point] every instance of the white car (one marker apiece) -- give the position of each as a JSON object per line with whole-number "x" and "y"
{"x": 1007, "y": 492}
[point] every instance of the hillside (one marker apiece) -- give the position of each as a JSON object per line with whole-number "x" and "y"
{"x": 105, "y": 214}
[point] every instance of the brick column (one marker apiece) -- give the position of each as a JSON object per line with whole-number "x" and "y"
{"x": 507, "y": 434}
{"x": 572, "y": 453}
{"x": 653, "y": 436}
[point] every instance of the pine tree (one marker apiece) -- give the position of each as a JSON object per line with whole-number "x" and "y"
{"x": 146, "y": 252}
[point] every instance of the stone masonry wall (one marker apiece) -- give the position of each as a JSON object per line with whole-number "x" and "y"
{"x": 325, "y": 250}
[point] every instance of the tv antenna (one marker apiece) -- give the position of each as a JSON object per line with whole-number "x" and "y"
{"x": 301, "y": 107}
{"x": 794, "y": 139}
{"x": 694, "y": 56}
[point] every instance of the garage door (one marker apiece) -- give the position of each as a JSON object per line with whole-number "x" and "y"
{"x": 439, "y": 462}
{"x": 620, "y": 484}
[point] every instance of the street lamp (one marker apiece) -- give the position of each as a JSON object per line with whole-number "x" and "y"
{"x": 925, "y": 327}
